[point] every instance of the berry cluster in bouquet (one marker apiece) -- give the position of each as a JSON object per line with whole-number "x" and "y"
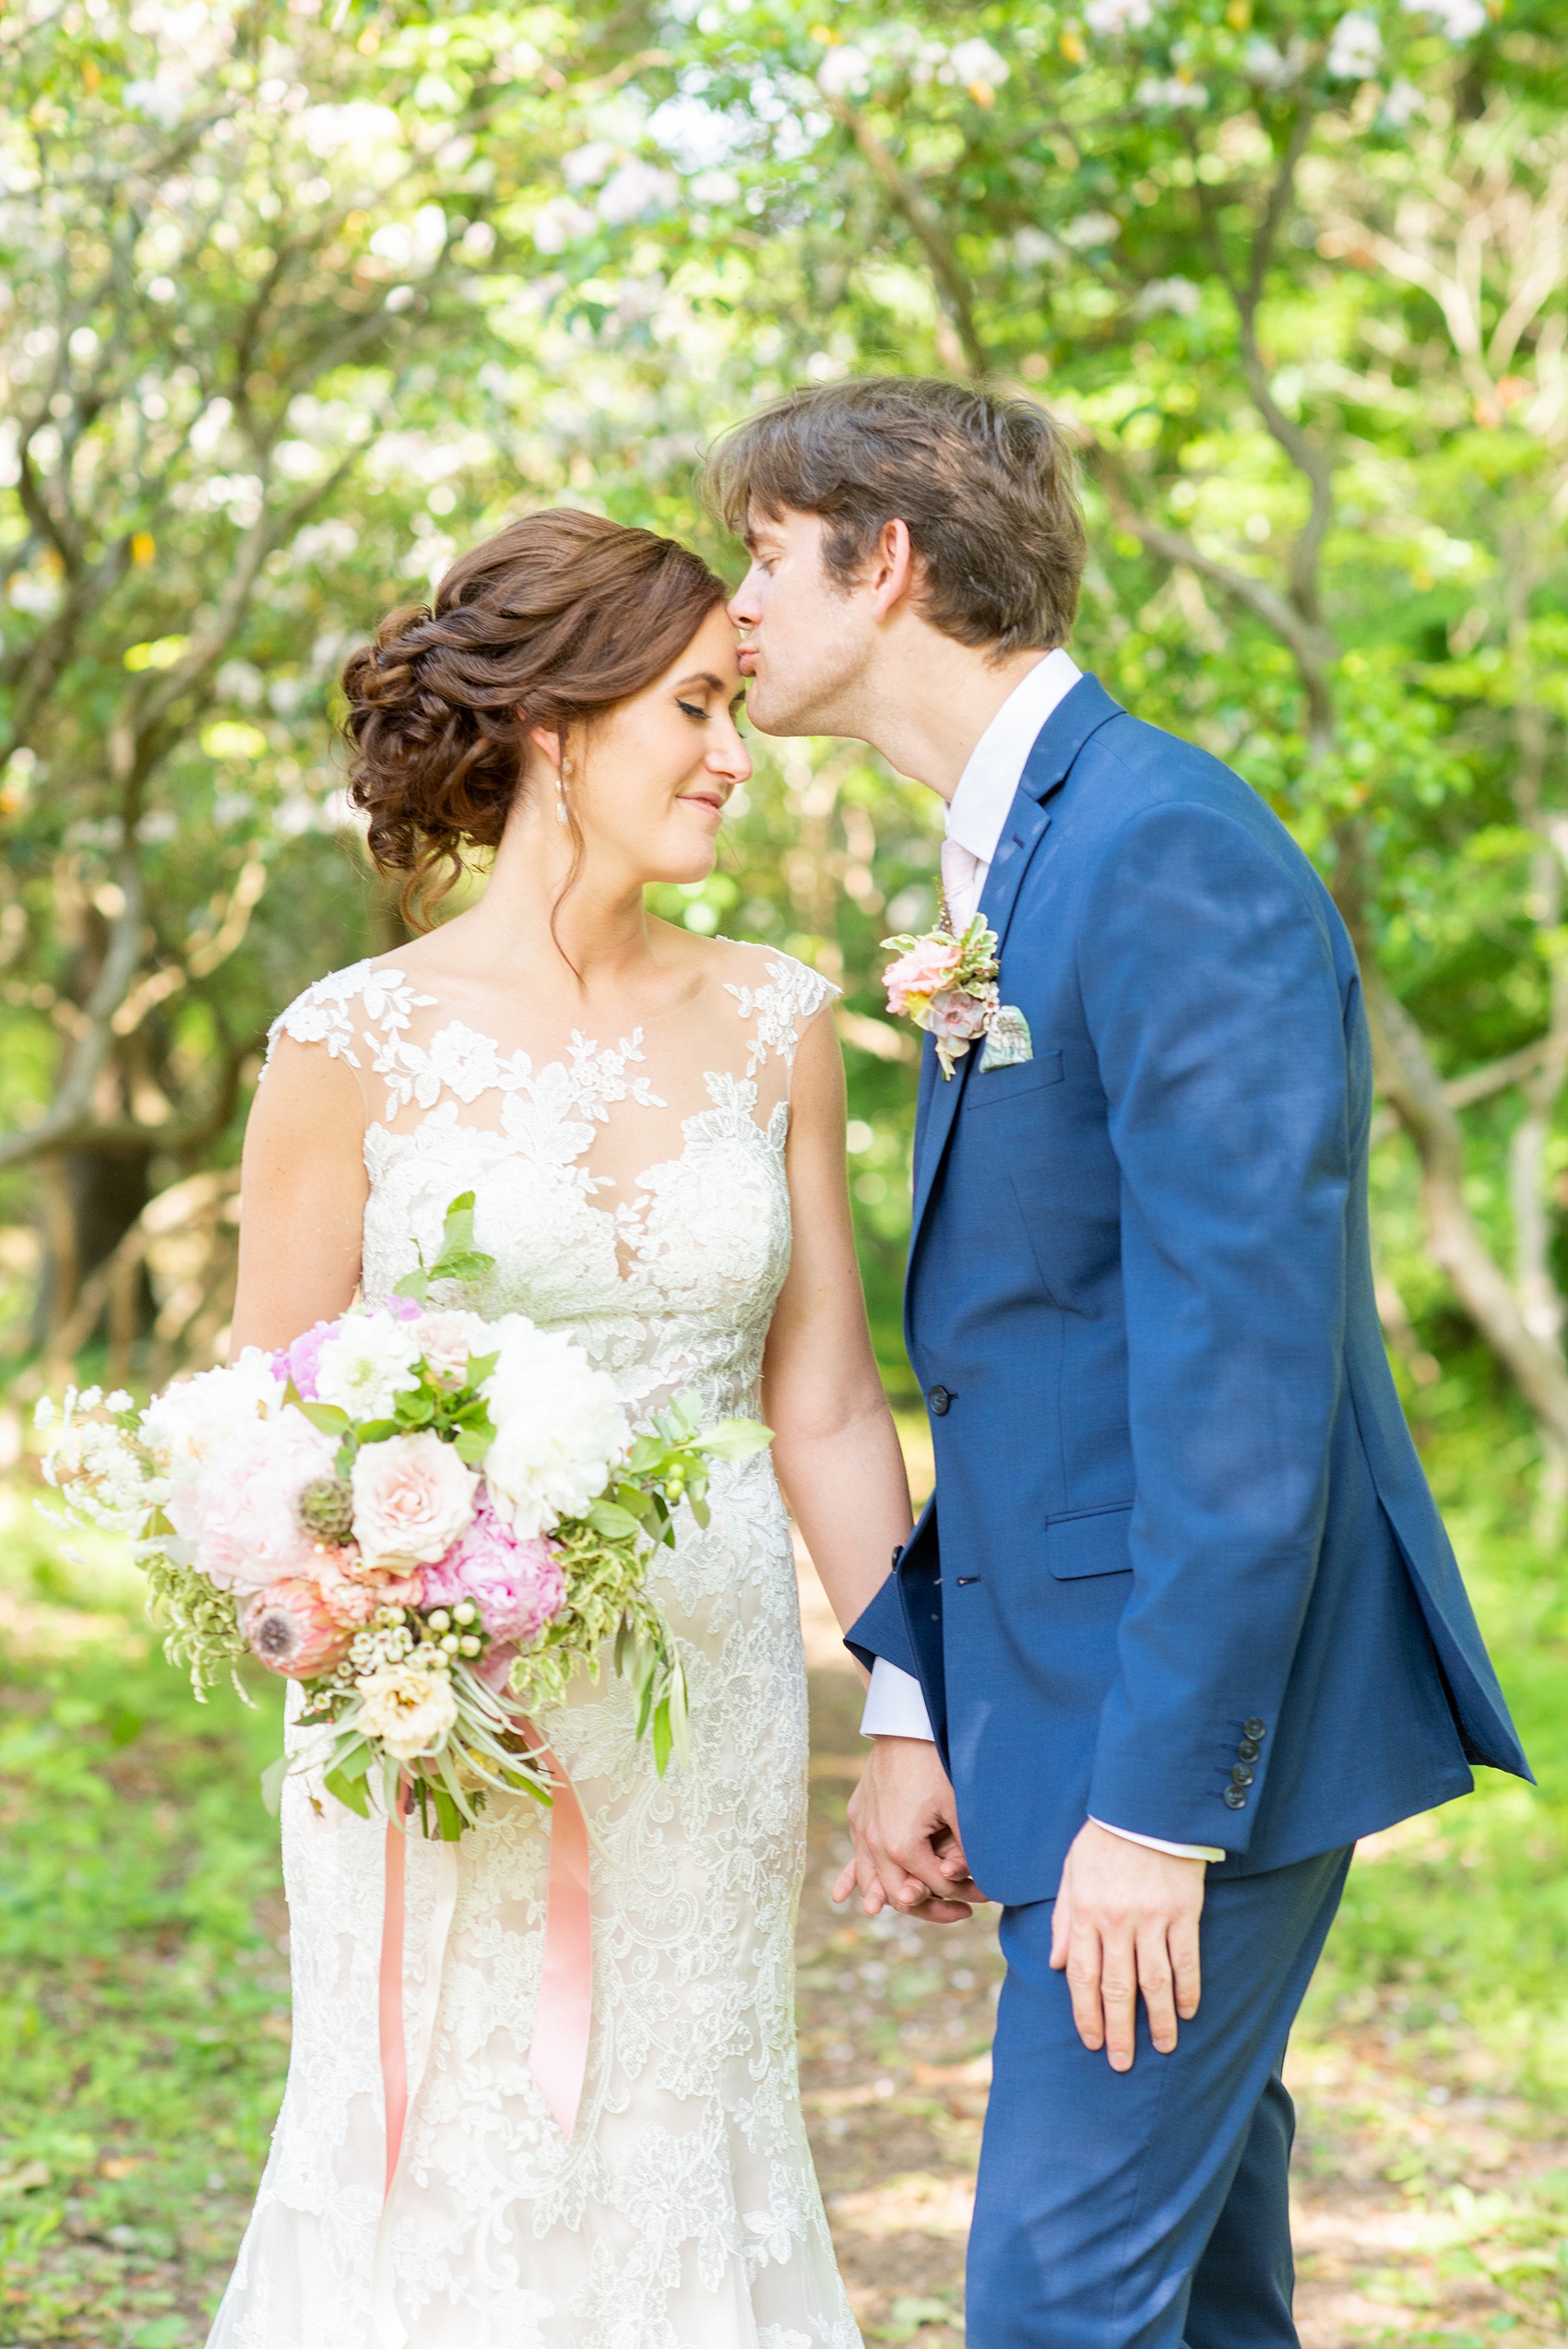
{"x": 428, "y": 1519}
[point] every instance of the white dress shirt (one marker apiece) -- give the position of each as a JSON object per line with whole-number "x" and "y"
{"x": 976, "y": 814}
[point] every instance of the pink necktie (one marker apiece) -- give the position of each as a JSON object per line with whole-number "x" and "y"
{"x": 960, "y": 869}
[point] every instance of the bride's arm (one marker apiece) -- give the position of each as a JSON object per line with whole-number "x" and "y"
{"x": 303, "y": 1190}
{"x": 835, "y": 1446}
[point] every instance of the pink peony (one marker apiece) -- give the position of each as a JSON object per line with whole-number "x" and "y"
{"x": 239, "y": 1509}
{"x": 921, "y": 973}
{"x": 954, "y": 1013}
{"x": 299, "y": 1361}
{"x": 412, "y": 1498}
{"x": 291, "y": 1629}
{"x": 517, "y": 1585}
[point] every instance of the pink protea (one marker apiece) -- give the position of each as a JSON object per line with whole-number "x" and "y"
{"x": 517, "y": 1585}
{"x": 291, "y": 1629}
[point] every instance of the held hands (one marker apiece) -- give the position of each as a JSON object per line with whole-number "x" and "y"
{"x": 905, "y": 1824}
{"x": 1126, "y": 1921}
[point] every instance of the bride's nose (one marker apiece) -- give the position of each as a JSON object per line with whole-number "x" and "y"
{"x": 728, "y": 756}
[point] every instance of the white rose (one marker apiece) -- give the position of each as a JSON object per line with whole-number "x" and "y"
{"x": 368, "y": 1364}
{"x": 189, "y": 1419}
{"x": 412, "y": 1498}
{"x": 559, "y": 1429}
{"x": 447, "y": 1340}
{"x": 410, "y": 1708}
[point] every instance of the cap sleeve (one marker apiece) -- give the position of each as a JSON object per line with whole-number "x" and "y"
{"x": 780, "y": 1010}
{"x": 368, "y": 1004}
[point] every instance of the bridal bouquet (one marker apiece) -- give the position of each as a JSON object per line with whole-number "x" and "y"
{"x": 428, "y": 1519}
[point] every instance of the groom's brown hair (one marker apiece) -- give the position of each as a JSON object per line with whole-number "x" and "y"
{"x": 987, "y": 487}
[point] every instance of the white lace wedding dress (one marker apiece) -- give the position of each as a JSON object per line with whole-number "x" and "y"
{"x": 632, "y": 1193}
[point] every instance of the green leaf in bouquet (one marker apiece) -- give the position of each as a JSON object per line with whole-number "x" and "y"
{"x": 664, "y": 1737}
{"x": 480, "y": 1366}
{"x": 681, "y": 1417}
{"x": 272, "y": 1779}
{"x": 377, "y": 1430}
{"x": 351, "y": 1792}
{"x": 645, "y": 1452}
{"x": 331, "y": 1417}
{"x": 616, "y": 1524}
{"x": 697, "y": 1504}
{"x": 416, "y": 1409}
{"x": 460, "y": 1258}
{"x": 448, "y": 1818}
{"x": 736, "y": 1438}
{"x": 414, "y": 1285}
{"x": 471, "y": 1444}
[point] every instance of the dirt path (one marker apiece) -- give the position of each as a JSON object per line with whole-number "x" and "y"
{"x": 1426, "y": 2214}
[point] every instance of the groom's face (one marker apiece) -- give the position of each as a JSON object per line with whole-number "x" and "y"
{"x": 804, "y": 639}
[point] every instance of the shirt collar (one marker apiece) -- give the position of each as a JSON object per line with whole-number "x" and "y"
{"x": 977, "y": 809}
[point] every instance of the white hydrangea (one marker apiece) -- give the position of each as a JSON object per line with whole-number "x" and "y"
{"x": 559, "y": 1427}
{"x": 368, "y": 1364}
{"x": 189, "y": 1419}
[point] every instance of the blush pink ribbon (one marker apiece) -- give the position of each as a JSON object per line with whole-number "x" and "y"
{"x": 558, "y": 2051}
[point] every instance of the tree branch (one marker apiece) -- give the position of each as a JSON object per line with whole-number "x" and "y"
{"x": 926, "y": 222}
{"x": 1418, "y": 1097}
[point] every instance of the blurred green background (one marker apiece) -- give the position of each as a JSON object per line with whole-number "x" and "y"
{"x": 299, "y": 298}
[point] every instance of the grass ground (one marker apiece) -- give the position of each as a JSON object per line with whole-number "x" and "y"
{"x": 144, "y": 2001}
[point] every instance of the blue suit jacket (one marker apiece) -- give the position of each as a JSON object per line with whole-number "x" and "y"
{"x": 1189, "y": 1576}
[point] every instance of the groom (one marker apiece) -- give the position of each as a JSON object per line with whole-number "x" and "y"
{"x": 1181, "y": 1621}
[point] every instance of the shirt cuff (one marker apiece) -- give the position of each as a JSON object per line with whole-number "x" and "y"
{"x": 894, "y": 1705}
{"x": 1154, "y": 1842}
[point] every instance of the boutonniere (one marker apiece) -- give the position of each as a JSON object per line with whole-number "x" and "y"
{"x": 945, "y": 980}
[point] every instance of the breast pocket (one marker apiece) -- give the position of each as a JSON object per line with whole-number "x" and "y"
{"x": 988, "y": 1086}
{"x": 1089, "y": 1541}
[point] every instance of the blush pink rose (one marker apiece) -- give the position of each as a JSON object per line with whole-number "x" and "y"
{"x": 928, "y": 966}
{"x": 412, "y": 1498}
{"x": 516, "y": 1584}
{"x": 954, "y": 1013}
{"x": 352, "y": 1592}
{"x": 239, "y": 1511}
{"x": 291, "y": 1629}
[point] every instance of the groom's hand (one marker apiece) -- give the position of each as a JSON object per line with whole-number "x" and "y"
{"x": 905, "y": 1824}
{"x": 1126, "y": 1921}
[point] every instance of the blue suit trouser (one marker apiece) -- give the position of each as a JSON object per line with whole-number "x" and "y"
{"x": 1150, "y": 2209}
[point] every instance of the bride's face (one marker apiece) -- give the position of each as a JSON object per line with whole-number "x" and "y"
{"x": 650, "y": 779}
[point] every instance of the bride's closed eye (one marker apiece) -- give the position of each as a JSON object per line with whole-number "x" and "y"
{"x": 692, "y": 709}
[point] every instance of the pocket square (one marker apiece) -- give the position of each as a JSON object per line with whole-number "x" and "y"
{"x": 1008, "y": 1040}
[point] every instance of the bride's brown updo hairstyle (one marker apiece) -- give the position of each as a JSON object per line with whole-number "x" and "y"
{"x": 551, "y": 623}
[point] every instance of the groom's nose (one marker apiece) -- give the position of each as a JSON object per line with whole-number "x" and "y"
{"x": 742, "y": 607}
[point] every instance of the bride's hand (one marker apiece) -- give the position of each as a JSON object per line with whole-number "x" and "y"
{"x": 904, "y": 1821}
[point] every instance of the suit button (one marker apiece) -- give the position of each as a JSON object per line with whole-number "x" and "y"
{"x": 939, "y": 1400}
{"x": 1235, "y": 1798}
{"x": 1254, "y": 1727}
{"x": 1240, "y": 1775}
{"x": 1248, "y": 1750}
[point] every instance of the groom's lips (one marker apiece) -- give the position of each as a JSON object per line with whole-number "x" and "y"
{"x": 746, "y": 659}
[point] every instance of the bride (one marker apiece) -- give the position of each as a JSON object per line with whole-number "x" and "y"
{"x": 653, "y": 1125}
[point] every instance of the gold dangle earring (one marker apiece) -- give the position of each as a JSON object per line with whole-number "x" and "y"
{"x": 565, "y": 770}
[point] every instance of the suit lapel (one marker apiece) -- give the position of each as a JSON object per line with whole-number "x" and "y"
{"x": 1080, "y": 713}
